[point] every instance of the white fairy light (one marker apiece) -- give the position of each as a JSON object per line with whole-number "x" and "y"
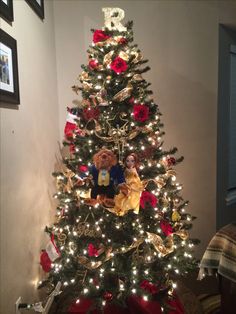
{"x": 174, "y": 285}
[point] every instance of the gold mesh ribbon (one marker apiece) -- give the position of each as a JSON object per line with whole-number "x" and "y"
{"x": 138, "y": 57}
{"x": 124, "y": 93}
{"x": 87, "y": 86}
{"x": 123, "y": 55}
{"x": 166, "y": 246}
{"x": 137, "y": 78}
{"x": 108, "y": 58}
{"x": 84, "y": 76}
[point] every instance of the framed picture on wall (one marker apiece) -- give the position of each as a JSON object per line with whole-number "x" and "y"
{"x": 9, "y": 82}
{"x": 37, "y": 6}
{"x": 6, "y": 10}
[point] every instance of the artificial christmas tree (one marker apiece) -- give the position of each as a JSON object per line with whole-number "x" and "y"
{"x": 121, "y": 234}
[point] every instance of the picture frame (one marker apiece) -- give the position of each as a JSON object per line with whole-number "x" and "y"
{"x": 37, "y": 6}
{"x": 9, "y": 81}
{"x": 6, "y": 10}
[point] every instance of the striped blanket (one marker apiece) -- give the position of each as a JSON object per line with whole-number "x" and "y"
{"x": 220, "y": 255}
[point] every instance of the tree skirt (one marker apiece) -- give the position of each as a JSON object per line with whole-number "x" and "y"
{"x": 135, "y": 304}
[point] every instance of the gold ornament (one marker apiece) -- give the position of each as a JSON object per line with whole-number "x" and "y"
{"x": 61, "y": 237}
{"x": 118, "y": 135}
{"x": 107, "y": 58}
{"x": 69, "y": 184}
{"x": 101, "y": 97}
{"x": 124, "y": 93}
{"x": 175, "y": 216}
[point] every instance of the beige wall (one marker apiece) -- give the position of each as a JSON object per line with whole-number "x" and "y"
{"x": 29, "y": 136}
{"x": 180, "y": 39}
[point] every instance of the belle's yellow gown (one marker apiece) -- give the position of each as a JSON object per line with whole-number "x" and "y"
{"x": 124, "y": 203}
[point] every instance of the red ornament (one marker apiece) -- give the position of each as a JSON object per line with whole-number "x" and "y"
{"x": 166, "y": 227}
{"x": 107, "y": 296}
{"x": 83, "y": 168}
{"x": 93, "y": 64}
{"x": 148, "y": 198}
{"x": 119, "y": 65}
{"x": 91, "y": 113}
{"x": 45, "y": 261}
{"x": 171, "y": 161}
{"x": 122, "y": 41}
{"x": 131, "y": 100}
{"x": 72, "y": 148}
{"x": 149, "y": 287}
{"x": 92, "y": 251}
{"x": 141, "y": 113}
{"x": 99, "y": 36}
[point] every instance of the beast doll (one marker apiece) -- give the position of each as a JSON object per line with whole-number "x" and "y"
{"x": 106, "y": 174}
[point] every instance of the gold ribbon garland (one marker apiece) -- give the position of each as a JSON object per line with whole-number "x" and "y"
{"x": 123, "y": 55}
{"x": 166, "y": 246}
{"x": 108, "y": 58}
{"x": 124, "y": 93}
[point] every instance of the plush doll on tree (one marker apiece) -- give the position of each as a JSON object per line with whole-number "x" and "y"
{"x": 106, "y": 175}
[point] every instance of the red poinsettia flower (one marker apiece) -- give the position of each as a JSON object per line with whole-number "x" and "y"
{"x": 99, "y": 35}
{"x": 92, "y": 250}
{"x": 171, "y": 161}
{"x": 93, "y": 64}
{"x": 83, "y": 168}
{"x": 166, "y": 227}
{"x": 148, "y": 198}
{"x": 119, "y": 65}
{"x": 91, "y": 113}
{"x": 141, "y": 113}
{"x": 148, "y": 286}
{"x": 45, "y": 261}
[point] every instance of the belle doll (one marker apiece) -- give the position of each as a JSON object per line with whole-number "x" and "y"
{"x": 130, "y": 201}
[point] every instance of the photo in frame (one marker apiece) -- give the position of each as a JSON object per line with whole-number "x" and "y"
{"x": 9, "y": 81}
{"x": 6, "y": 10}
{"x": 37, "y": 6}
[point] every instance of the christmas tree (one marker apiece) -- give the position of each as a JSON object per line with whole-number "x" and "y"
{"x": 122, "y": 227}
